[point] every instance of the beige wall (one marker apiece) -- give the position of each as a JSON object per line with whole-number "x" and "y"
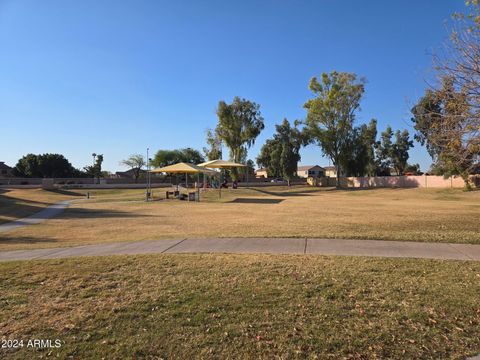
{"x": 396, "y": 181}
{"x": 260, "y": 174}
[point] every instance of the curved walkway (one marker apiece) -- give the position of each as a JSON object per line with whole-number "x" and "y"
{"x": 47, "y": 213}
{"x": 378, "y": 248}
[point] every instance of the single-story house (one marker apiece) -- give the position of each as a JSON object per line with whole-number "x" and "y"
{"x": 5, "y": 170}
{"x": 261, "y": 173}
{"x": 310, "y": 171}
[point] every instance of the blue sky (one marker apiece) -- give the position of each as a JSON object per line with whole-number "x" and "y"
{"x": 116, "y": 77}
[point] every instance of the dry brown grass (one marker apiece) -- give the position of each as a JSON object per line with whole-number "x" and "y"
{"x": 242, "y": 307}
{"x": 19, "y": 203}
{"x": 391, "y": 214}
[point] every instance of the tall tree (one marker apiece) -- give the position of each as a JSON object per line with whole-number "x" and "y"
{"x": 393, "y": 154}
{"x": 45, "y": 165}
{"x": 443, "y": 122}
{"x": 95, "y": 170}
{"x": 331, "y": 113}
{"x": 281, "y": 154}
{"x": 447, "y": 117}
{"x": 239, "y": 124}
{"x": 358, "y": 156}
{"x": 384, "y": 152}
{"x": 170, "y": 157}
{"x": 135, "y": 162}
{"x": 269, "y": 158}
{"x": 214, "y": 143}
{"x": 400, "y": 151}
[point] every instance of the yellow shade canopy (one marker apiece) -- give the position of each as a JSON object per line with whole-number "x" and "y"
{"x": 183, "y": 168}
{"x": 220, "y": 164}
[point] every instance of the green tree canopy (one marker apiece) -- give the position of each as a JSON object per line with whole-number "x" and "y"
{"x": 239, "y": 124}
{"x": 358, "y": 156}
{"x": 393, "y": 154}
{"x": 96, "y": 169}
{"x": 45, "y": 166}
{"x": 331, "y": 113}
{"x": 170, "y": 157}
{"x": 213, "y": 151}
{"x": 281, "y": 154}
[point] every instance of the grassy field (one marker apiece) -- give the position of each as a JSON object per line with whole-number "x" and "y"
{"x": 445, "y": 215}
{"x": 19, "y": 203}
{"x": 243, "y": 306}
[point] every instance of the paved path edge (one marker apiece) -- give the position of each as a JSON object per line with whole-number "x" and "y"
{"x": 301, "y": 246}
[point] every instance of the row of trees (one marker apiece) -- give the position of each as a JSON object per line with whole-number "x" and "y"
{"x": 55, "y": 166}
{"x": 446, "y": 119}
{"x": 330, "y": 123}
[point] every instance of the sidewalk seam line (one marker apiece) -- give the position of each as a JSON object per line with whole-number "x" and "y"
{"x": 172, "y": 246}
{"x": 461, "y": 252}
{"x": 305, "y": 248}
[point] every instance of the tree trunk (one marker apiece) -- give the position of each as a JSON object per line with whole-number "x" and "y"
{"x": 337, "y": 168}
{"x": 466, "y": 178}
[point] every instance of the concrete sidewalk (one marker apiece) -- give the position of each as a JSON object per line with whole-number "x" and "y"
{"x": 47, "y": 213}
{"x": 377, "y": 248}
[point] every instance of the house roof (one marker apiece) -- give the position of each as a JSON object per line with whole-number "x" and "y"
{"x": 4, "y": 166}
{"x": 129, "y": 172}
{"x": 330, "y": 168}
{"x": 308, "y": 167}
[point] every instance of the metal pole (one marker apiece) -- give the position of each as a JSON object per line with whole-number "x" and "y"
{"x": 147, "y": 190}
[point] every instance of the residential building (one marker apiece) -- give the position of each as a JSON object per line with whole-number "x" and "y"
{"x": 330, "y": 171}
{"x": 261, "y": 173}
{"x": 129, "y": 174}
{"x": 5, "y": 170}
{"x": 310, "y": 171}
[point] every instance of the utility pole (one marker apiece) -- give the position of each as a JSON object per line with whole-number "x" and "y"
{"x": 148, "y": 191}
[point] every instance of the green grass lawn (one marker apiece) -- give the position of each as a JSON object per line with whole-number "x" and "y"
{"x": 243, "y": 307}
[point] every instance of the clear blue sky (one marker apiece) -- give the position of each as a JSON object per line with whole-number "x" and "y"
{"x": 116, "y": 77}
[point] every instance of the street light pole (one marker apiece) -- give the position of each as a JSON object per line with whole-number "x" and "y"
{"x": 148, "y": 177}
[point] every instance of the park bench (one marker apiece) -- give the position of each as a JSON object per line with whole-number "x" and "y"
{"x": 190, "y": 196}
{"x": 174, "y": 193}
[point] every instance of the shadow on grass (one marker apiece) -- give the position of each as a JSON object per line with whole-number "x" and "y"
{"x": 73, "y": 213}
{"x": 290, "y": 193}
{"x": 66, "y": 192}
{"x": 256, "y": 201}
{"x": 6, "y": 239}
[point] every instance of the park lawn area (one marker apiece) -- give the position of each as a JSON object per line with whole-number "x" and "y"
{"x": 243, "y": 307}
{"x": 19, "y": 203}
{"x": 444, "y": 215}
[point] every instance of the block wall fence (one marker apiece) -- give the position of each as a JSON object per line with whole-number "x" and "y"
{"x": 422, "y": 181}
